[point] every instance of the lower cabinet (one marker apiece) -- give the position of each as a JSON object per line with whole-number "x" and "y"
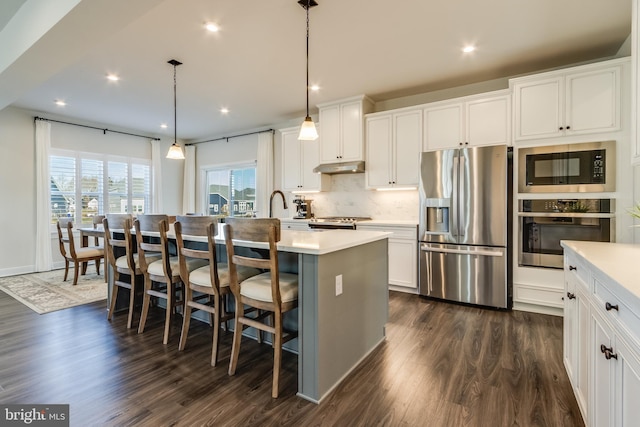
{"x": 601, "y": 346}
{"x": 403, "y": 255}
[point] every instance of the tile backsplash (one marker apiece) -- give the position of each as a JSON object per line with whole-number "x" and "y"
{"x": 348, "y": 197}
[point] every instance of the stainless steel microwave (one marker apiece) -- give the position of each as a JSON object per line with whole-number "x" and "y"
{"x": 570, "y": 168}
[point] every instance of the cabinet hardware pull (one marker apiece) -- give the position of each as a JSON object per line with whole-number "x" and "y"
{"x": 568, "y": 127}
{"x": 608, "y": 352}
{"x": 610, "y": 307}
{"x": 571, "y": 267}
{"x": 571, "y": 296}
{"x": 560, "y": 128}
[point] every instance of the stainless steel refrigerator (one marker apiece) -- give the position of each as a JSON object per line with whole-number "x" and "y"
{"x": 465, "y": 225}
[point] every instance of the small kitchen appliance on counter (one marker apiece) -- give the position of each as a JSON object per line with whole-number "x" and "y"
{"x": 303, "y": 207}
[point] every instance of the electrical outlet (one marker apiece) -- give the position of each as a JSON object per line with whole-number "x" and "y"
{"x": 338, "y": 284}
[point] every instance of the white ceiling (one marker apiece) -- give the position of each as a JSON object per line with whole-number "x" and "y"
{"x": 255, "y": 65}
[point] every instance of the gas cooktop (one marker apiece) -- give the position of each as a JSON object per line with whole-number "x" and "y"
{"x": 347, "y": 219}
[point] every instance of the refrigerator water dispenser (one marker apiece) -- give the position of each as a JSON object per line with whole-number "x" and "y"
{"x": 437, "y": 220}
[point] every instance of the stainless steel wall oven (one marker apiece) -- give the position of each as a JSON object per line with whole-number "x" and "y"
{"x": 544, "y": 223}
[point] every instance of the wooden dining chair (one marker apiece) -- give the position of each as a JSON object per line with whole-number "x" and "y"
{"x": 97, "y": 221}
{"x": 272, "y": 293}
{"x": 161, "y": 276}
{"x": 78, "y": 256}
{"x": 207, "y": 286}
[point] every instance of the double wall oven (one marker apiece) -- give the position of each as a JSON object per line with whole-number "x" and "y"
{"x": 577, "y": 173}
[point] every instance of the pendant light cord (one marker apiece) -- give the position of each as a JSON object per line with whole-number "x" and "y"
{"x": 308, "y": 6}
{"x": 175, "y": 108}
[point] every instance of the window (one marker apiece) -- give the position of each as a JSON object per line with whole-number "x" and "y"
{"x": 231, "y": 191}
{"x": 84, "y": 185}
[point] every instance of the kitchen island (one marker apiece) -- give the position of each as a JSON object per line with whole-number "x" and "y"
{"x": 343, "y": 300}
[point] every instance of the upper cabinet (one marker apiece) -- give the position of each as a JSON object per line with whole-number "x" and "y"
{"x": 341, "y": 130}
{"x": 579, "y": 100}
{"x": 474, "y": 120}
{"x": 298, "y": 160}
{"x": 394, "y": 141}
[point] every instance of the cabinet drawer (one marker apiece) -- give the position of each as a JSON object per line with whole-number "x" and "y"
{"x": 575, "y": 266}
{"x": 622, "y": 315}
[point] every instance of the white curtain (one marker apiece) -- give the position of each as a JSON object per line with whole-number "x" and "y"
{"x": 156, "y": 166}
{"x": 264, "y": 173}
{"x": 44, "y": 261}
{"x": 189, "y": 181}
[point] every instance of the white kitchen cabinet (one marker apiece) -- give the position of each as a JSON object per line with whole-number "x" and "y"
{"x": 573, "y": 101}
{"x": 393, "y": 146}
{"x": 576, "y": 330}
{"x": 483, "y": 119}
{"x": 341, "y": 129}
{"x": 298, "y": 160}
{"x": 604, "y": 359}
{"x": 403, "y": 254}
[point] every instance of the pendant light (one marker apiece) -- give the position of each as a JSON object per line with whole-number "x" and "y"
{"x": 308, "y": 130}
{"x": 175, "y": 151}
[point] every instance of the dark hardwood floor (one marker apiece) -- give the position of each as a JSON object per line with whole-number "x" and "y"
{"x": 441, "y": 365}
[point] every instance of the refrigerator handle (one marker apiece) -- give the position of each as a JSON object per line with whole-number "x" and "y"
{"x": 454, "y": 198}
{"x": 460, "y": 200}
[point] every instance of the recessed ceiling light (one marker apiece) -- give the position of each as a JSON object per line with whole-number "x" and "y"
{"x": 60, "y": 103}
{"x": 468, "y": 49}
{"x": 210, "y": 26}
{"x": 113, "y": 77}
{"x": 315, "y": 88}
{"x": 224, "y": 110}
{"x": 163, "y": 125}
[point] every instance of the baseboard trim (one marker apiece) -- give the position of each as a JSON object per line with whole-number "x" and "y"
{"x": 16, "y": 271}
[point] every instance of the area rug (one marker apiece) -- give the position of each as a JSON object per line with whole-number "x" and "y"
{"x": 46, "y": 292}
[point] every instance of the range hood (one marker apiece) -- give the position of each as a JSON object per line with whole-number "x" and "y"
{"x": 343, "y": 167}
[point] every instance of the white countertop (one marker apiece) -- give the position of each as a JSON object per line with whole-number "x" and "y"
{"x": 390, "y": 222}
{"x": 306, "y": 242}
{"x": 619, "y": 261}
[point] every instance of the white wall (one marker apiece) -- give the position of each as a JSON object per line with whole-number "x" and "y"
{"x": 17, "y": 179}
{"x": 17, "y": 192}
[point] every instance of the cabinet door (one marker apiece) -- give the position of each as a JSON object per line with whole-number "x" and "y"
{"x": 602, "y": 391}
{"x": 628, "y": 389}
{"x": 403, "y": 267}
{"x": 379, "y": 142}
{"x": 351, "y": 128}
{"x": 538, "y": 108}
{"x": 582, "y": 346}
{"x": 291, "y": 161}
{"x": 570, "y": 323}
{"x": 592, "y": 103}
{"x": 443, "y": 127}
{"x": 310, "y": 159}
{"x": 330, "y": 134}
{"x": 488, "y": 121}
{"x": 407, "y": 137}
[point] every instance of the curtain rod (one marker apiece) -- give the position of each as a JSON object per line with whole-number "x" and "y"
{"x": 104, "y": 130}
{"x": 232, "y": 136}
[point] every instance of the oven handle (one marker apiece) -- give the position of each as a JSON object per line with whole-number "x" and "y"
{"x": 496, "y": 252}
{"x": 567, "y": 214}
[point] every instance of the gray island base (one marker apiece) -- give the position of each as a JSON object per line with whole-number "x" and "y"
{"x": 336, "y": 332}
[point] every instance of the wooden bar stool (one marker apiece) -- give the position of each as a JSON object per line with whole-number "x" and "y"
{"x": 205, "y": 287}
{"x": 118, "y": 239}
{"x": 161, "y": 276}
{"x": 272, "y": 293}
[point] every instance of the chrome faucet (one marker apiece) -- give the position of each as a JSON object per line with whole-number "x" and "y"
{"x": 284, "y": 202}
